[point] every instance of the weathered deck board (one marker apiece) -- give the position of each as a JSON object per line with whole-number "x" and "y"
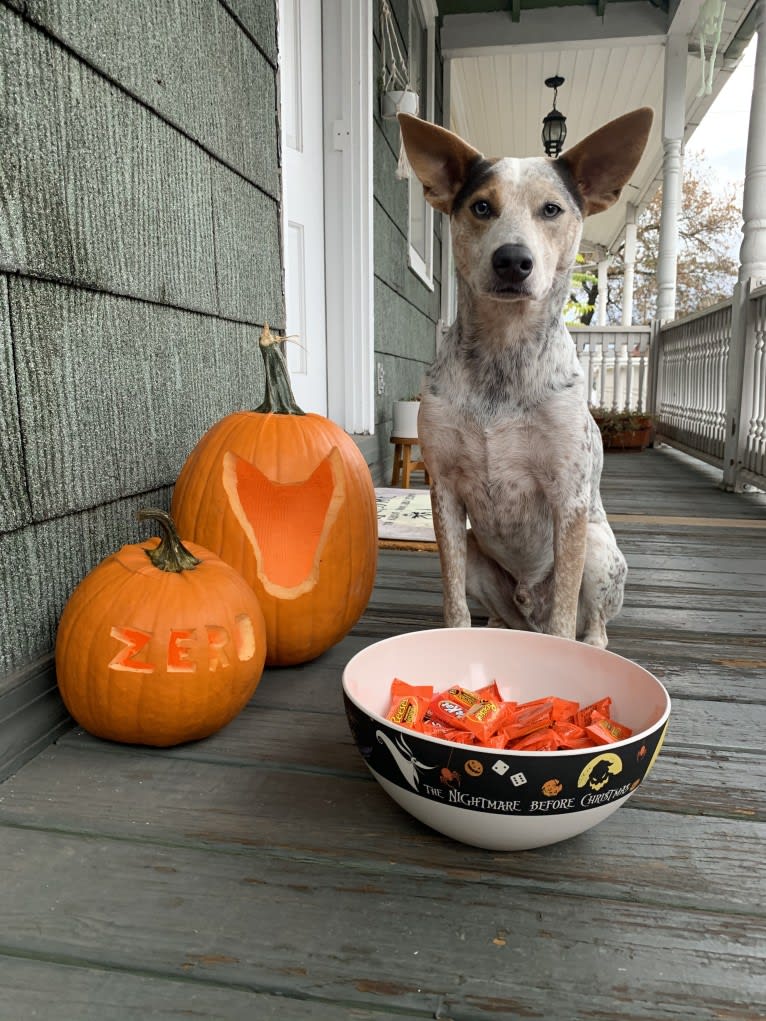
{"x": 136, "y": 797}
{"x": 263, "y": 873}
{"x": 348, "y": 932}
{"x": 75, "y": 992}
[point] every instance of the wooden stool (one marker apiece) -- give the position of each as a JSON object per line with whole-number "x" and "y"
{"x": 403, "y": 463}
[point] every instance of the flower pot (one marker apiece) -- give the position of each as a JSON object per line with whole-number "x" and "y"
{"x": 398, "y": 101}
{"x": 405, "y": 423}
{"x": 629, "y": 439}
{"x": 624, "y": 430}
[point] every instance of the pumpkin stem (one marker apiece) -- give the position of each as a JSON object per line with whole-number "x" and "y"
{"x": 279, "y": 398}
{"x": 170, "y": 554}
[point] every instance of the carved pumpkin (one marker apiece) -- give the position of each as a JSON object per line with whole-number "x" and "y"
{"x": 287, "y": 499}
{"x": 159, "y": 643}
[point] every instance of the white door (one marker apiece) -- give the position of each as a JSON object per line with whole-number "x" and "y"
{"x": 300, "y": 39}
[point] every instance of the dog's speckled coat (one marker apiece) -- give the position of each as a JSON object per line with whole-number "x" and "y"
{"x": 504, "y": 424}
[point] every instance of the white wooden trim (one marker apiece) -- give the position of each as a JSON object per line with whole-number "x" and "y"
{"x": 479, "y": 35}
{"x": 629, "y": 262}
{"x": 348, "y": 111}
{"x": 683, "y": 19}
{"x": 603, "y": 290}
{"x": 449, "y": 284}
{"x": 424, "y": 268}
{"x": 752, "y": 255}
{"x": 673, "y": 121}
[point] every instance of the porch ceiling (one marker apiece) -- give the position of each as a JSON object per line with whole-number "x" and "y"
{"x": 611, "y": 56}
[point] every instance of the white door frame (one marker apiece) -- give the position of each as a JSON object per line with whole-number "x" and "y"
{"x": 303, "y": 225}
{"x": 348, "y": 190}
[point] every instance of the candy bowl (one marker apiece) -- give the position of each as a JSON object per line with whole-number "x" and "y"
{"x": 491, "y": 797}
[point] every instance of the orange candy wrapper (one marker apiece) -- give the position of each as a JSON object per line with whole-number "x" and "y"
{"x": 409, "y": 704}
{"x": 605, "y": 731}
{"x": 483, "y": 718}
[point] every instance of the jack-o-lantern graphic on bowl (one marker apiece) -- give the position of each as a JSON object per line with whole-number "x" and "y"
{"x": 552, "y": 787}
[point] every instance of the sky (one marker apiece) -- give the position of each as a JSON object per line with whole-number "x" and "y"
{"x": 722, "y": 135}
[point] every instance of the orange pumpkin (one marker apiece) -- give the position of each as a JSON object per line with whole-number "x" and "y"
{"x": 287, "y": 499}
{"x": 159, "y": 643}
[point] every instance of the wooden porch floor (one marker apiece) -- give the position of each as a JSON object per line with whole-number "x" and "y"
{"x": 262, "y": 874}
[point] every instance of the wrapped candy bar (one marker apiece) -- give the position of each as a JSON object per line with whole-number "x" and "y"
{"x": 603, "y": 731}
{"x": 409, "y": 704}
{"x": 529, "y": 716}
{"x": 451, "y": 705}
{"x": 483, "y": 718}
{"x": 602, "y": 708}
{"x": 486, "y": 718}
{"x": 543, "y": 740}
{"x": 571, "y": 736}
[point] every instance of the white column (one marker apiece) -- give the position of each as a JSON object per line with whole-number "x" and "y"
{"x": 752, "y": 256}
{"x": 629, "y": 261}
{"x": 752, "y": 271}
{"x": 603, "y": 292}
{"x": 673, "y": 117}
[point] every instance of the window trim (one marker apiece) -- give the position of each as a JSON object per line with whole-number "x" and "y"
{"x": 424, "y": 268}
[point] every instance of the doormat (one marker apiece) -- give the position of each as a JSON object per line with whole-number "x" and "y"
{"x": 404, "y": 519}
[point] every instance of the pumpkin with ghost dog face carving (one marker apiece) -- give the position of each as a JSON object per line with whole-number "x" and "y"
{"x": 160, "y": 643}
{"x": 287, "y": 499}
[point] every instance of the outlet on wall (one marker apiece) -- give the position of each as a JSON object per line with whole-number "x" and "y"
{"x": 381, "y": 379}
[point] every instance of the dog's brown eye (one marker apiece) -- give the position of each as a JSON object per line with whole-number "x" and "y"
{"x": 482, "y": 209}
{"x": 551, "y": 210}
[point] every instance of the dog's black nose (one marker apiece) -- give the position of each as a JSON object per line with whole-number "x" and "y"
{"x": 512, "y": 263}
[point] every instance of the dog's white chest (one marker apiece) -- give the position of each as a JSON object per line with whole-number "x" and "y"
{"x": 509, "y": 474}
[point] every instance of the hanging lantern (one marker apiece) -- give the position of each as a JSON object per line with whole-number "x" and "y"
{"x": 554, "y": 123}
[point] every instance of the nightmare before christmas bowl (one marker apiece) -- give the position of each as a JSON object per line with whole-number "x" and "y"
{"x": 504, "y": 800}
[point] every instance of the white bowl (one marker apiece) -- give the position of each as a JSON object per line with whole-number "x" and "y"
{"x": 504, "y": 800}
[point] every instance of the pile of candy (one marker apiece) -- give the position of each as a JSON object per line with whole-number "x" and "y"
{"x": 483, "y": 718}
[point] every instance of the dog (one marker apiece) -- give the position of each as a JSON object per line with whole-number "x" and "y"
{"x": 504, "y": 426}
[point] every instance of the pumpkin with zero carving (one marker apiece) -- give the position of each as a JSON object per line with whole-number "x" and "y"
{"x": 287, "y": 499}
{"x": 160, "y": 643}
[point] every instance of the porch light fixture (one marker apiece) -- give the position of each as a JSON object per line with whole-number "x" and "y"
{"x": 555, "y": 123}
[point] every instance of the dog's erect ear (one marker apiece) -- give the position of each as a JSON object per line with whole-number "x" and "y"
{"x": 440, "y": 159}
{"x": 602, "y": 163}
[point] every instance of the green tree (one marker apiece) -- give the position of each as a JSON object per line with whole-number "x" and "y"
{"x": 579, "y": 308}
{"x": 709, "y": 229}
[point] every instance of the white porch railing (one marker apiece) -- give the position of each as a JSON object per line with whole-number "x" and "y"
{"x": 754, "y": 392}
{"x": 689, "y": 363}
{"x": 706, "y": 392}
{"x": 708, "y": 386}
{"x": 616, "y": 365}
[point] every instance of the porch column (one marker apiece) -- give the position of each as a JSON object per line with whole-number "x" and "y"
{"x": 752, "y": 255}
{"x": 603, "y": 267}
{"x": 752, "y": 271}
{"x": 629, "y": 260}
{"x": 673, "y": 116}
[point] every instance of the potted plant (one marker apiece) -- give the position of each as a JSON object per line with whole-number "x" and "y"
{"x": 405, "y": 418}
{"x": 397, "y": 94}
{"x": 623, "y": 430}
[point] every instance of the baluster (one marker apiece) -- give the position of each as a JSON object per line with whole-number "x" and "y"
{"x": 629, "y": 402}
{"x": 617, "y": 374}
{"x": 756, "y": 443}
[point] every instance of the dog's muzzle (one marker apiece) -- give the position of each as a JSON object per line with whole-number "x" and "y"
{"x": 512, "y": 265}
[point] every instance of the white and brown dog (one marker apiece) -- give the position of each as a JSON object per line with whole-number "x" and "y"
{"x": 504, "y": 424}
